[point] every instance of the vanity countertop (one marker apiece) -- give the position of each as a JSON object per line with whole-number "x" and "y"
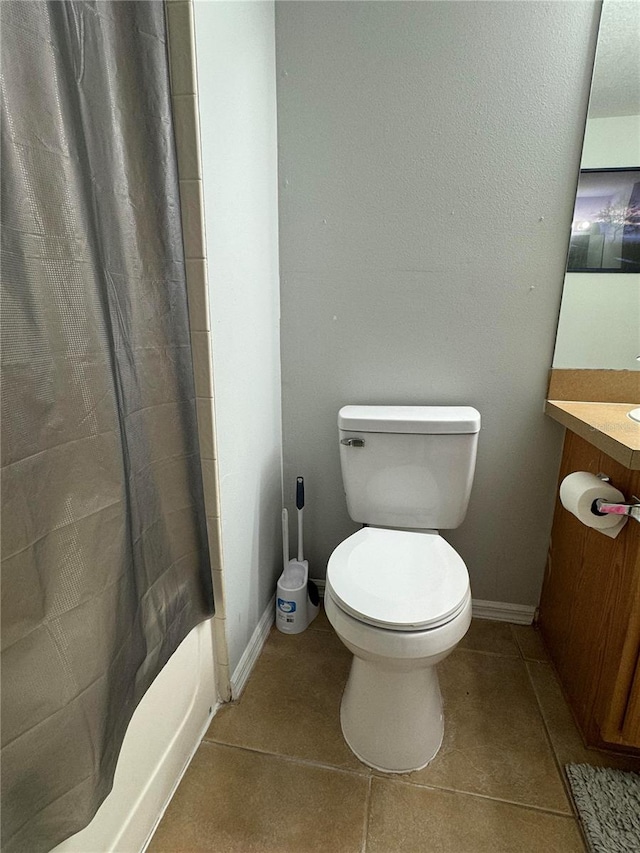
{"x": 605, "y": 425}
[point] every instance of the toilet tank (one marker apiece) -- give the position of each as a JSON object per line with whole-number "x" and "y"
{"x": 408, "y": 466}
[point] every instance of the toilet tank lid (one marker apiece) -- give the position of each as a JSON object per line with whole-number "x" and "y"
{"x": 423, "y": 420}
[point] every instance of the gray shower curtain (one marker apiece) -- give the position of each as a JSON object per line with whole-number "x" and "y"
{"x": 105, "y": 561}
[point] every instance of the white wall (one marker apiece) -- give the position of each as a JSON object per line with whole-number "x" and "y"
{"x": 428, "y": 162}
{"x": 237, "y": 93}
{"x": 599, "y": 322}
{"x": 611, "y": 142}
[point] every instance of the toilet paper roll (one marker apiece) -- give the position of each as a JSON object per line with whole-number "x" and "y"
{"x": 579, "y": 490}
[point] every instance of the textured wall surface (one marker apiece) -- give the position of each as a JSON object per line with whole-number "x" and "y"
{"x": 237, "y": 92}
{"x": 428, "y": 162}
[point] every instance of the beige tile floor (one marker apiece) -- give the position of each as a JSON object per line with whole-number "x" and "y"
{"x": 274, "y": 774}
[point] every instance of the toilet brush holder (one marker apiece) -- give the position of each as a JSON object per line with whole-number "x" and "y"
{"x": 295, "y": 606}
{"x": 297, "y": 598}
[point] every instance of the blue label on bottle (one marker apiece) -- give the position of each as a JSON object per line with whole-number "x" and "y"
{"x": 286, "y": 606}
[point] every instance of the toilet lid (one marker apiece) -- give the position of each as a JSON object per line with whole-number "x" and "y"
{"x": 398, "y": 579}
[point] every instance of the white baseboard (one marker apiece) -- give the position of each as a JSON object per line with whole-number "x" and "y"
{"x": 500, "y": 611}
{"x": 250, "y": 655}
{"x": 320, "y": 583}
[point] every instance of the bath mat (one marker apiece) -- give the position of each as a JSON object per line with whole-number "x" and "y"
{"x": 608, "y": 803}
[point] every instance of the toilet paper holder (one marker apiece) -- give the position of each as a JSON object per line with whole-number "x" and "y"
{"x": 603, "y": 507}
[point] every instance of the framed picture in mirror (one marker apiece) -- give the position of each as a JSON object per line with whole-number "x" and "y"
{"x": 605, "y": 231}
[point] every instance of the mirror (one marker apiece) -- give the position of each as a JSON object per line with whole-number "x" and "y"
{"x": 599, "y": 326}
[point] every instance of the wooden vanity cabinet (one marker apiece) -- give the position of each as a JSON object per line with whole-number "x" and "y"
{"x": 589, "y": 612}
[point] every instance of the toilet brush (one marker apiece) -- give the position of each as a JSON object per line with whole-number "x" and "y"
{"x": 285, "y": 538}
{"x": 297, "y": 599}
{"x": 314, "y": 596}
{"x": 300, "y": 509}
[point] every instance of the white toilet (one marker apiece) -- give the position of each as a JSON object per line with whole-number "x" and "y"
{"x": 397, "y": 593}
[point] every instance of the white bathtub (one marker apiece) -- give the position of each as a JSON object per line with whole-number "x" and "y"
{"x": 163, "y": 734}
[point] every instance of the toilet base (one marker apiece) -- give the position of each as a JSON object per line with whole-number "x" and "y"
{"x": 392, "y": 719}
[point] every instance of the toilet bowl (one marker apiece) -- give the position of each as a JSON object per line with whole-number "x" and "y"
{"x": 400, "y": 601}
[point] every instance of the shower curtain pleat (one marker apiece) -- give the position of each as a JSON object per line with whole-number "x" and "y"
{"x": 105, "y": 563}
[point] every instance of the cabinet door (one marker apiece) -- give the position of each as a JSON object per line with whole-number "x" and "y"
{"x": 631, "y": 724}
{"x": 617, "y": 704}
{"x": 590, "y": 609}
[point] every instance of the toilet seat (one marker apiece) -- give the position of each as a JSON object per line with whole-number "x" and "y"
{"x": 398, "y": 579}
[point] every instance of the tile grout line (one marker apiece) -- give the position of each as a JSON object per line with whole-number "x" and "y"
{"x": 306, "y": 762}
{"x": 478, "y": 796}
{"x": 563, "y": 776}
{"x": 559, "y": 767}
{"x": 521, "y": 651}
{"x": 514, "y": 637}
{"x": 556, "y": 760}
{"x": 367, "y": 814}
{"x": 547, "y": 732}
{"x": 487, "y": 653}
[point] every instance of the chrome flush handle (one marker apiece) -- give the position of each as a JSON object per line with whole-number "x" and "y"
{"x": 352, "y": 442}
